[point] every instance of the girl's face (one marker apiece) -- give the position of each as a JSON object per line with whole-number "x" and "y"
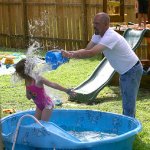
{"x": 20, "y": 66}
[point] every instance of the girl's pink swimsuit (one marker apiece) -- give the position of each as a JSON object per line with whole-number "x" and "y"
{"x": 39, "y": 96}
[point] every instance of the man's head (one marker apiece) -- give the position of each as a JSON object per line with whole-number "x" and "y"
{"x": 101, "y": 23}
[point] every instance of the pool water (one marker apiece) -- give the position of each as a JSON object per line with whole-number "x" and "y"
{"x": 90, "y": 136}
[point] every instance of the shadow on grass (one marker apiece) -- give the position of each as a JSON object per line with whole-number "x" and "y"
{"x": 144, "y": 93}
{"x": 140, "y": 145}
{"x": 111, "y": 94}
{"x": 106, "y": 95}
{"x": 98, "y": 100}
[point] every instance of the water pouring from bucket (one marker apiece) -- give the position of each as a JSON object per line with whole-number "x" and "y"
{"x": 54, "y": 58}
{"x": 34, "y": 65}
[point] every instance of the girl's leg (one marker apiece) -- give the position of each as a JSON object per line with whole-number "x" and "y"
{"x": 46, "y": 113}
{"x": 38, "y": 113}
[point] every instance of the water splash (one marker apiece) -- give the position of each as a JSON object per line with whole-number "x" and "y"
{"x": 42, "y": 26}
{"x": 15, "y": 78}
{"x": 35, "y": 66}
{"x": 55, "y": 95}
{"x": 38, "y": 26}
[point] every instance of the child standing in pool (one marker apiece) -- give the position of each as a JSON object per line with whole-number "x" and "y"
{"x": 35, "y": 91}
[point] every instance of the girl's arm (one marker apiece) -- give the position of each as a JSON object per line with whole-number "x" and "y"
{"x": 54, "y": 85}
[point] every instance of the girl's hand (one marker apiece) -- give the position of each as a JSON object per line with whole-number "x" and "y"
{"x": 71, "y": 92}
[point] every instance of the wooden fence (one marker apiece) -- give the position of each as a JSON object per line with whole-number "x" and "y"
{"x": 54, "y": 23}
{"x": 65, "y": 24}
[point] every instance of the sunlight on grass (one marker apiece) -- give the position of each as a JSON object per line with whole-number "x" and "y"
{"x": 71, "y": 75}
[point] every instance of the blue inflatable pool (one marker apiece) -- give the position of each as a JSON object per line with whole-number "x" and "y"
{"x": 21, "y": 132}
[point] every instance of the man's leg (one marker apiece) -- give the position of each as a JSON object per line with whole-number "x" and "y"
{"x": 129, "y": 84}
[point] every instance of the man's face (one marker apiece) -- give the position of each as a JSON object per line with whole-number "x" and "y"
{"x": 98, "y": 25}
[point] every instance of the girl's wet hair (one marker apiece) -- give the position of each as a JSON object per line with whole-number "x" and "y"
{"x": 20, "y": 69}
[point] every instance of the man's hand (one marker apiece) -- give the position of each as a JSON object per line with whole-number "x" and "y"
{"x": 67, "y": 54}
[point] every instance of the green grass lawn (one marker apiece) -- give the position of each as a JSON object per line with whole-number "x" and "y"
{"x": 70, "y": 75}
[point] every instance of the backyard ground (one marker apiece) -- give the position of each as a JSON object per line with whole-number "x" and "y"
{"x": 12, "y": 96}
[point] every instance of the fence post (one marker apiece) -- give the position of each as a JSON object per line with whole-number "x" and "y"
{"x": 60, "y": 19}
{"x": 9, "y": 38}
{"x": 84, "y": 15}
{"x": 25, "y": 24}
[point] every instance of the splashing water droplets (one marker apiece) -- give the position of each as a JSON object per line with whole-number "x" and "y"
{"x": 35, "y": 66}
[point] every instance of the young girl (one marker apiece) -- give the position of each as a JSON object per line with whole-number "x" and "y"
{"x": 35, "y": 91}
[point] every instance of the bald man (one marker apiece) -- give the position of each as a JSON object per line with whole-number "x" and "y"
{"x": 120, "y": 55}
